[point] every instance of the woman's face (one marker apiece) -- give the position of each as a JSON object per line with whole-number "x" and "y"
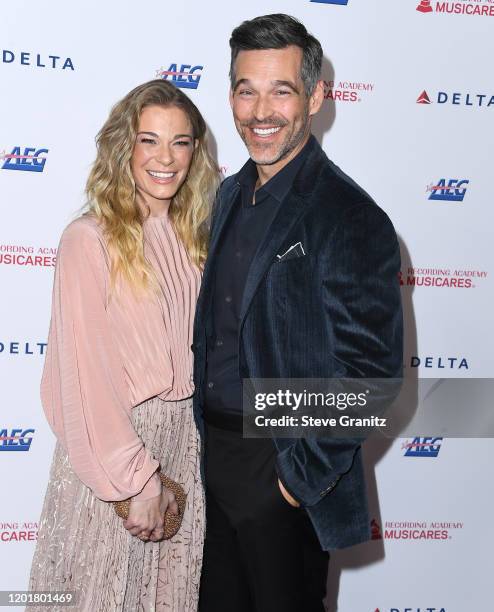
{"x": 162, "y": 155}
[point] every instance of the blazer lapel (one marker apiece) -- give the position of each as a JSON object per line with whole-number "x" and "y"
{"x": 288, "y": 214}
{"x": 290, "y": 211}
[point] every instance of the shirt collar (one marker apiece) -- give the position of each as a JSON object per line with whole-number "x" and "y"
{"x": 280, "y": 184}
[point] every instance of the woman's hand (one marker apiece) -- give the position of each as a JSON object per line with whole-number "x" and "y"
{"x": 168, "y": 502}
{"x": 146, "y": 518}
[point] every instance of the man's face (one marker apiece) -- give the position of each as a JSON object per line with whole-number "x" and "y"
{"x": 270, "y": 107}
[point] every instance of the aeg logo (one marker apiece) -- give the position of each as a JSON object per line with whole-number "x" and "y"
{"x": 187, "y": 76}
{"x": 31, "y": 160}
{"x": 16, "y": 440}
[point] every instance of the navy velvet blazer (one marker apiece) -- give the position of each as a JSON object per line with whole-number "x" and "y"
{"x": 335, "y": 312}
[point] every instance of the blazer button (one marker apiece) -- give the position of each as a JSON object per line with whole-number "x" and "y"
{"x": 330, "y": 488}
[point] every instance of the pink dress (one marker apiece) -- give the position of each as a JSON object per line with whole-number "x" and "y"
{"x": 116, "y": 390}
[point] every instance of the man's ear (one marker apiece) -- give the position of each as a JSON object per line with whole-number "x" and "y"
{"x": 230, "y": 98}
{"x": 316, "y": 98}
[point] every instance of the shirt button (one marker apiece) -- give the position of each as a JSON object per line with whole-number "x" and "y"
{"x": 210, "y": 385}
{"x": 219, "y": 342}
{"x": 228, "y": 298}
{"x": 238, "y": 254}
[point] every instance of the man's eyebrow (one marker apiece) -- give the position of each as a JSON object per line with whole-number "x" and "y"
{"x": 240, "y": 82}
{"x": 277, "y": 83}
{"x": 288, "y": 84}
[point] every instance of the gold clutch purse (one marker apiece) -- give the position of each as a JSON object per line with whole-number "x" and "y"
{"x": 172, "y": 521}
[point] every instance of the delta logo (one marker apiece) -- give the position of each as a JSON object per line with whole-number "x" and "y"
{"x": 440, "y": 363}
{"x": 347, "y": 91}
{"x": 448, "y": 190}
{"x": 422, "y": 447}
{"x": 16, "y": 439}
{"x": 410, "y": 610}
{"x": 439, "y": 531}
{"x": 341, "y": 2}
{"x": 18, "y": 347}
{"x": 27, "y": 159}
{"x": 458, "y": 98}
{"x": 185, "y": 77}
{"x": 13, "y": 531}
{"x": 38, "y": 60}
{"x": 27, "y": 256}
{"x": 483, "y": 8}
{"x": 441, "y": 277}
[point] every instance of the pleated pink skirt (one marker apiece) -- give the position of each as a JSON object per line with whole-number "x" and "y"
{"x": 82, "y": 545}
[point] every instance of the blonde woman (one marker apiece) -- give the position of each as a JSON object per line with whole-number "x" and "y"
{"x": 117, "y": 381}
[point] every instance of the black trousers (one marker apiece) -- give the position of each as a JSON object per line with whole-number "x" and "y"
{"x": 260, "y": 554}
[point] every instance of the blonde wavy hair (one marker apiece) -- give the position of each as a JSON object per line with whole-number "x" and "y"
{"x": 111, "y": 189}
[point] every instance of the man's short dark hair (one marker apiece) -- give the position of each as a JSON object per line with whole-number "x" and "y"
{"x": 277, "y": 32}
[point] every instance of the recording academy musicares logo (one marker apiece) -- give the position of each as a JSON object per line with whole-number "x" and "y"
{"x": 450, "y": 278}
{"x": 18, "y": 531}
{"x": 413, "y": 531}
{"x": 26, "y": 256}
{"x": 425, "y": 6}
{"x": 347, "y": 91}
{"x": 483, "y": 8}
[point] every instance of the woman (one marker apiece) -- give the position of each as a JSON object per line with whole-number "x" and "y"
{"x": 117, "y": 381}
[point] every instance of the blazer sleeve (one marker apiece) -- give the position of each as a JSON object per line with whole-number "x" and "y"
{"x": 83, "y": 390}
{"x": 361, "y": 295}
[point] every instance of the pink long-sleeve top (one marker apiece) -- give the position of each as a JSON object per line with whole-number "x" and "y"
{"x": 108, "y": 351}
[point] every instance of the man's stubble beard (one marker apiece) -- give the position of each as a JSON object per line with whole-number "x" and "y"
{"x": 287, "y": 147}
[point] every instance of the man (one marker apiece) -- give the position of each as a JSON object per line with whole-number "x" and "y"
{"x": 327, "y": 308}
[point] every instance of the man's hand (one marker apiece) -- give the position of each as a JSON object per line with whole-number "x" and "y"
{"x": 287, "y": 495}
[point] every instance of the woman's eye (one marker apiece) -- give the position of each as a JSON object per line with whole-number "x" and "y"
{"x": 148, "y": 140}
{"x": 183, "y": 143}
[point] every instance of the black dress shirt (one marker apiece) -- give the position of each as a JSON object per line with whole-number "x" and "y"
{"x": 253, "y": 213}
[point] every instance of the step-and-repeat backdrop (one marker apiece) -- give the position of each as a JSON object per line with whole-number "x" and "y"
{"x": 408, "y": 113}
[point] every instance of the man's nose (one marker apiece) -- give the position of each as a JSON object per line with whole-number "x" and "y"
{"x": 262, "y": 109}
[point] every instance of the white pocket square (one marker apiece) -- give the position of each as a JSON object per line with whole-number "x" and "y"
{"x": 296, "y": 250}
